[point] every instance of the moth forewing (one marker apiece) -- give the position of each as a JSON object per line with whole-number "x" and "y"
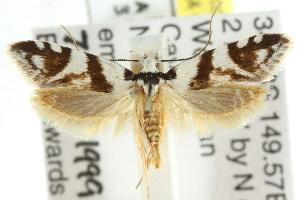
{"x": 48, "y": 65}
{"x": 256, "y": 60}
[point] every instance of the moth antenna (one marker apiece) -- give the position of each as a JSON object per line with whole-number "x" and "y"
{"x": 207, "y": 43}
{"x": 124, "y": 60}
{"x": 121, "y": 59}
{"x": 141, "y": 53}
{"x": 74, "y": 41}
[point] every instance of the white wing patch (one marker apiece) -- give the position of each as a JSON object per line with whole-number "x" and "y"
{"x": 242, "y": 43}
{"x": 38, "y": 61}
{"x": 186, "y": 70}
{"x": 258, "y": 38}
{"x": 262, "y": 54}
{"x": 55, "y": 47}
{"x": 39, "y": 44}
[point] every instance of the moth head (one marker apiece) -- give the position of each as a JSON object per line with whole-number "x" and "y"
{"x": 150, "y": 64}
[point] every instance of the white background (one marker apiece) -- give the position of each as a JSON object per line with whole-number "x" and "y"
{"x": 22, "y": 170}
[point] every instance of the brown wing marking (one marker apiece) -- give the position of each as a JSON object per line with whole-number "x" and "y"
{"x": 204, "y": 68}
{"x": 98, "y": 80}
{"x": 53, "y": 62}
{"x": 246, "y": 57}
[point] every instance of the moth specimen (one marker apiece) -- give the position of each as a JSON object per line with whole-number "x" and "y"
{"x": 219, "y": 89}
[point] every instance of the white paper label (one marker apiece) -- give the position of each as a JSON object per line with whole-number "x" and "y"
{"x": 103, "y": 11}
{"x": 253, "y": 163}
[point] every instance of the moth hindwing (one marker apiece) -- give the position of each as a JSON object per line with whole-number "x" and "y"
{"x": 217, "y": 90}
